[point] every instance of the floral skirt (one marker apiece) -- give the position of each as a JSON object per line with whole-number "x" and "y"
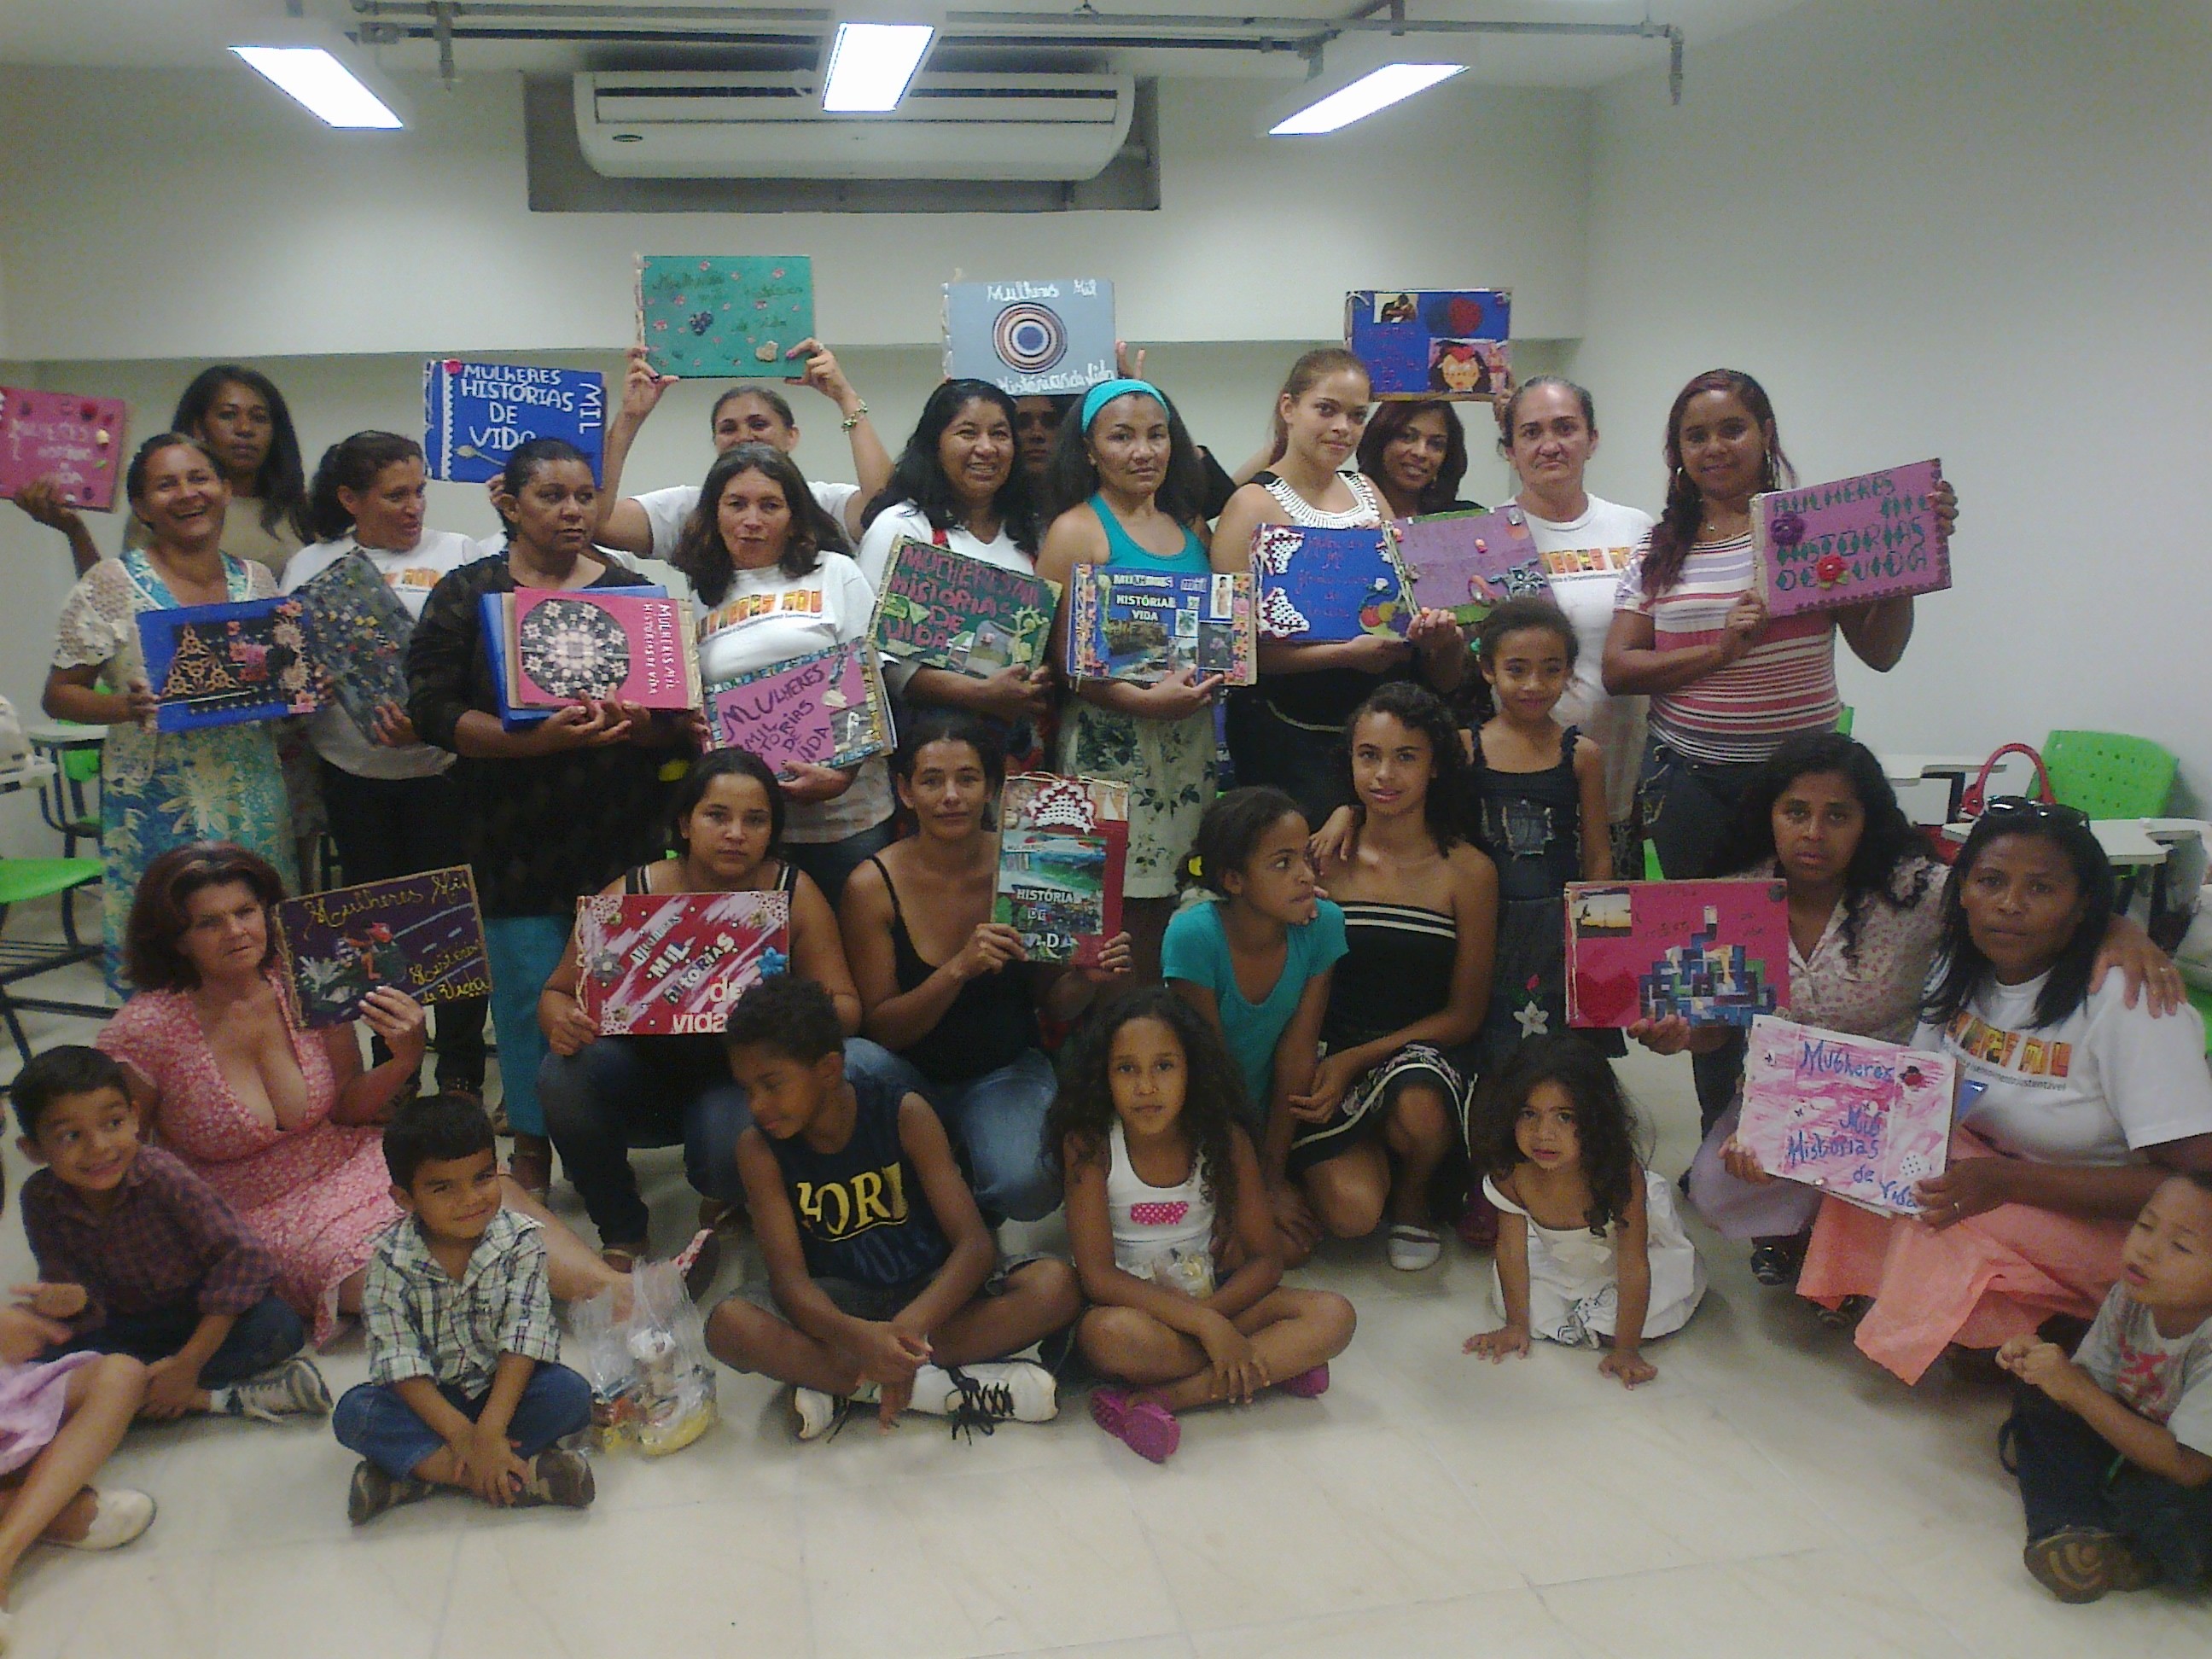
{"x": 1169, "y": 766}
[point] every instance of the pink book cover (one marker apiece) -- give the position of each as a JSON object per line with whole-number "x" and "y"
{"x": 1865, "y": 1121}
{"x": 675, "y": 964}
{"x": 1849, "y": 541}
{"x": 565, "y": 644}
{"x": 1469, "y": 563}
{"x": 76, "y": 441}
{"x": 1715, "y": 952}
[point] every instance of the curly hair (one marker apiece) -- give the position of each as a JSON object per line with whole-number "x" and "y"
{"x": 1604, "y": 1123}
{"x": 153, "y": 956}
{"x": 1672, "y": 537}
{"x": 704, "y": 557}
{"x": 1077, "y": 1128}
{"x": 1889, "y": 864}
{"x": 918, "y": 476}
{"x": 1418, "y": 710}
{"x": 1963, "y": 969}
{"x": 1390, "y": 421}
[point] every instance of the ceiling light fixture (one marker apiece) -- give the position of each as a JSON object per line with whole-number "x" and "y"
{"x": 870, "y": 65}
{"x": 1375, "y": 90}
{"x": 316, "y": 78}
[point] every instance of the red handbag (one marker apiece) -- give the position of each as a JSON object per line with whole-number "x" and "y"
{"x": 1974, "y": 799}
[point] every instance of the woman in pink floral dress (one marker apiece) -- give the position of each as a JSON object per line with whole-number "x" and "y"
{"x": 284, "y": 1123}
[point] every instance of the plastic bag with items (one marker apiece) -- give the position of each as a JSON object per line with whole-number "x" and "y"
{"x": 653, "y": 1384}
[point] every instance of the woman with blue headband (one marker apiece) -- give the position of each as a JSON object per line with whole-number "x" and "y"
{"x": 1139, "y": 487}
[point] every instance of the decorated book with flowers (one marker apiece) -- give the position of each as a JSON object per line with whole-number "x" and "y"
{"x": 473, "y": 414}
{"x": 1863, "y": 1119}
{"x": 724, "y": 316}
{"x": 1063, "y": 849}
{"x": 1851, "y": 541}
{"x": 225, "y": 665}
{"x": 76, "y": 441}
{"x": 674, "y": 965}
{"x": 358, "y": 632}
{"x": 827, "y": 708}
{"x": 422, "y": 934}
{"x": 939, "y": 608}
{"x": 1468, "y": 562}
{"x": 1714, "y": 952}
{"x": 1320, "y": 586}
{"x": 561, "y": 644}
{"x": 1431, "y": 342}
{"x": 1145, "y": 625}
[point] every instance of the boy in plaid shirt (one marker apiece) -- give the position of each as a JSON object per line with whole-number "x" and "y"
{"x": 464, "y": 1385}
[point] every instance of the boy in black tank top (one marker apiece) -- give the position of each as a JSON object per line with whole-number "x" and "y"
{"x": 885, "y": 1286}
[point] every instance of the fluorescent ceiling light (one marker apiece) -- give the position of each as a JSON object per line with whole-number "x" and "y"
{"x": 316, "y": 79}
{"x": 1377, "y": 90}
{"x": 870, "y": 64}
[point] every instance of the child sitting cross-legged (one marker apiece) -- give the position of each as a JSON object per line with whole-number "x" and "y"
{"x": 465, "y": 1388}
{"x": 884, "y": 1287}
{"x": 2113, "y": 1447}
{"x": 139, "y": 1256}
{"x": 1173, "y": 1236}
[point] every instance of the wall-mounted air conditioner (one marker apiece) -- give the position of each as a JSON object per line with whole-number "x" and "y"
{"x": 745, "y": 126}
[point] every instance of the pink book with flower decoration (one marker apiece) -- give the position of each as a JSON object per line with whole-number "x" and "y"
{"x": 1864, "y": 1119}
{"x": 74, "y": 441}
{"x": 1851, "y": 541}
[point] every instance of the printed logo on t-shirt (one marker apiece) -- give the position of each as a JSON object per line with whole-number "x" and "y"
{"x": 845, "y": 1209}
{"x": 1165, "y": 1214}
{"x": 1588, "y": 561}
{"x": 413, "y": 578}
{"x": 2140, "y": 1380}
{"x": 751, "y": 607}
{"x": 1977, "y": 1039}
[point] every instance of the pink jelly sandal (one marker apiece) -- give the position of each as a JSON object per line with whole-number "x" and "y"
{"x": 1308, "y": 1385}
{"x": 1145, "y": 1426}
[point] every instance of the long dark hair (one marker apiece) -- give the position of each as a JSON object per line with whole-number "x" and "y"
{"x": 1420, "y": 709}
{"x": 703, "y": 557}
{"x": 1677, "y": 529}
{"x": 724, "y": 763}
{"x": 352, "y": 464}
{"x": 1964, "y": 968}
{"x": 152, "y": 957}
{"x": 1604, "y": 1125}
{"x": 919, "y": 476}
{"x": 281, "y": 481}
{"x": 1079, "y": 1126}
{"x": 1071, "y": 476}
{"x": 1890, "y": 863}
{"x": 1389, "y": 420}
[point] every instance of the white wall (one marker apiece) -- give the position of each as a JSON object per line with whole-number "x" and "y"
{"x": 1974, "y": 230}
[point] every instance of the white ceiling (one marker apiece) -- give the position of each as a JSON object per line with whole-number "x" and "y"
{"x": 189, "y": 34}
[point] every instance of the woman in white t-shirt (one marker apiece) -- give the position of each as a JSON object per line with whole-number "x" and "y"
{"x": 766, "y": 592}
{"x": 650, "y": 525}
{"x": 394, "y": 809}
{"x": 2072, "y": 1107}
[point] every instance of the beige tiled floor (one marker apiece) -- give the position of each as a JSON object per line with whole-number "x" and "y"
{"x": 1771, "y": 1493}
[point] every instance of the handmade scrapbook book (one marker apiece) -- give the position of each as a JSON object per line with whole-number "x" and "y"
{"x": 1030, "y": 339}
{"x": 224, "y": 664}
{"x": 1715, "y": 953}
{"x": 1854, "y": 540}
{"x": 1144, "y": 625}
{"x": 676, "y": 965}
{"x": 824, "y": 709}
{"x": 357, "y": 631}
{"x": 492, "y": 613}
{"x": 1063, "y": 848}
{"x": 76, "y": 441}
{"x": 1863, "y": 1119}
{"x": 724, "y": 316}
{"x": 1431, "y": 343}
{"x": 1318, "y": 586}
{"x": 563, "y": 644}
{"x": 422, "y": 934}
{"x": 1467, "y": 562}
{"x": 941, "y": 609}
{"x": 473, "y": 414}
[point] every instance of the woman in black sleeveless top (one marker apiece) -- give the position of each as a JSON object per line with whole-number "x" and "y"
{"x": 951, "y": 1000}
{"x": 604, "y": 1095}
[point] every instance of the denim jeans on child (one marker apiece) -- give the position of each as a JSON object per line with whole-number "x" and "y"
{"x": 620, "y": 1093}
{"x": 2070, "y": 1476}
{"x": 374, "y": 1421}
{"x": 996, "y": 1122}
{"x": 267, "y": 1334}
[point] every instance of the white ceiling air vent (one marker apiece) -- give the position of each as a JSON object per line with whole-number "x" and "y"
{"x": 744, "y": 125}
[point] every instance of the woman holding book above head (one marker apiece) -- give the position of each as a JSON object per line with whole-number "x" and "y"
{"x": 159, "y": 789}
{"x": 769, "y": 586}
{"x": 2072, "y": 1108}
{"x": 553, "y": 809}
{"x": 394, "y": 808}
{"x": 1126, "y": 459}
{"x": 651, "y": 525}
{"x": 1288, "y": 730}
{"x": 604, "y": 1095}
{"x": 284, "y": 1123}
{"x": 951, "y": 1000}
{"x": 1415, "y": 452}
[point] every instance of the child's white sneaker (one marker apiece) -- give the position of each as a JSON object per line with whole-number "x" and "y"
{"x": 1412, "y": 1248}
{"x": 120, "y": 1514}
{"x": 817, "y": 1411}
{"x": 983, "y": 1396}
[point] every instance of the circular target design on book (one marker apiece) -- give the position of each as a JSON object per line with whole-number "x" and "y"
{"x": 1029, "y": 338}
{"x": 573, "y": 649}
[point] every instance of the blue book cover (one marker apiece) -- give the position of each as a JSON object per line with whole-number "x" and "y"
{"x": 1030, "y": 339}
{"x": 721, "y": 316}
{"x": 473, "y": 414}
{"x": 1433, "y": 343}
{"x": 1317, "y": 586}
{"x": 225, "y": 665}
{"x": 492, "y": 620}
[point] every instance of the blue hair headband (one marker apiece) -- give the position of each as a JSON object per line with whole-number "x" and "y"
{"x": 1106, "y": 390}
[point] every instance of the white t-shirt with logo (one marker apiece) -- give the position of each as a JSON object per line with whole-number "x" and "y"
{"x": 665, "y": 510}
{"x": 411, "y": 576}
{"x": 2167, "y": 1379}
{"x": 767, "y": 617}
{"x": 1585, "y": 559}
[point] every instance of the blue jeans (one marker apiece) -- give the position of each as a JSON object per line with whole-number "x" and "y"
{"x": 2070, "y": 1476}
{"x": 266, "y": 1334}
{"x": 996, "y": 1122}
{"x": 620, "y": 1092}
{"x": 372, "y": 1419}
{"x": 523, "y": 951}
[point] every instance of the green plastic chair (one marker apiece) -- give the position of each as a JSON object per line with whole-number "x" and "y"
{"x": 22, "y": 880}
{"x": 1844, "y": 721}
{"x": 2201, "y": 1000}
{"x": 2108, "y": 775}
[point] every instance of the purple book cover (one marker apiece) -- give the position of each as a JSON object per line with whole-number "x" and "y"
{"x": 1715, "y": 952}
{"x": 1851, "y": 541}
{"x": 1320, "y": 586}
{"x": 824, "y": 709}
{"x": 1467, "y": 562}
{"x": 1863, "y": 1119}
{"x": 420, "y": 933}
{"x": 74, "y": 441}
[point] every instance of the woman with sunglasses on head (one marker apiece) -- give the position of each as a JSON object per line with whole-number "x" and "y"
{"x": 2072, "y": 1108}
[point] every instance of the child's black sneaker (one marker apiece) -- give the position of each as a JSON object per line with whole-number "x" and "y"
{"x": 2081, "y": 1563}
{"x": 373, "y": 1492}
